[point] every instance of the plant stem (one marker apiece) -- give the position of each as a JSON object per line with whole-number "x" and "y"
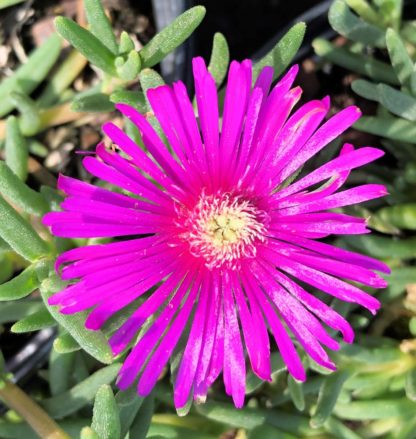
{"x": 34, "y": 415}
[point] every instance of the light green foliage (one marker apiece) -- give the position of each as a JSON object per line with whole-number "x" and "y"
{"x": 21, "y": 285}
{"x": 401, "y": 61}
{"x": 220, "y": 58}
{"x": 126, "y": 43}
{"x": 65, "y": 344}
{"x": 93, "y": 103}
{"x": 19, "y": 233}
{"x": 34, "y": 322}
{"x": 355, "y": 62}
{"x": 85, "y": 42}
{"x": 28, "y": 76}
{"x": 376, "y": 394}
{"x": 129, "y": 68}
{"x": 16, "y": 149}
{"x": 30, "y": 121}
{"x": 283, "y": 52}
{"x": 19, "y": 193}
{"x": 92, "y": 342}
{"x": 81, "y": 394}
{"x": 134, "y": 98}
{"x": 350, "y": 26}
{"x": 100, "y": 26}
{"x": 172, "y": 36}
{"x": 88, "y": 433}
{"x": 142, "y": 421}
{"x": 327, "y": 398}
{"x": 106, "y": 419}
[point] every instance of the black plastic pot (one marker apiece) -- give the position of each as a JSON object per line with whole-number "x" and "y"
{"x": 316, "y": 20}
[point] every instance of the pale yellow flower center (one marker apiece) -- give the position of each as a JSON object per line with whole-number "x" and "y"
{"x": 223, "y": 229}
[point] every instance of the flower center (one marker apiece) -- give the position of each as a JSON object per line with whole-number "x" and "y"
{"x": 224, "y": 228}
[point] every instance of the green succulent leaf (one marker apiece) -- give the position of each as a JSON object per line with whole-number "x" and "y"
{"x": 88, "y": 433}
{"x": 129, "y": 403}
{"x": 17, "y": 151}
{"x": 400, "y": 277}
{"x": 20, "y": 430}
{"x": 268, "y": 432}
{"x": 165, "y": 431}
{"x": 327, "y": 398}
{"x": 412, "y": 326}
{"x": 410, "y": 385}
{"x": 65, "y": 344}
{"x": 150, "y": 79}
{"x": 283, "y": 52}
{"x": 6, "y": 267}
{"x": 352, "y": 27}
{"x": 401, "y": 215}
{"x": 406, "y": 429}
{"x": 134, "y": 98}
{"x": 28, "y": 76}
{"x": 391, "y": 11}
{"x": 38, "y": 148}
{"x": 20, "y": 286}
{"x": 220, "y": 58}
{"x": 365, "y": 11}
{"x": 100, "y": 25}
{"x": 10, "y": 312}
{"x": 128, "y": 69}
{"x": 339, "y": 430}
{"x": 407, "y": 31}
{"x": 81, "y": 394}
{"x": 356, "y": 62}
{"x": 226, "y": 414}
{"x": 105, "y": 419}
{"x": 61, "y": 79}
{"x": 253, "y": 382}
{"x": 19, "y": 234}
{"x": 171, "y": 36}
{"x": 52, "y": 197}
{"x": 34, "y": 322}
{"x": 141, "y": 423}
{"x": 60, "y": 370}
{"x": 399, "y": 103}
{"x": 296, "y": 393}
{"x": 93, "y": 103}
{"x": 93, "y": 342}
{"x": 375, "y": 409}
{"x": 390, "y": 128}
{"x": 366, "y": 89}
{"x": 86, "y": 43}
{"x": 7, "y": 3}
{"x": 249, "y": 418}
{"x": 401, "y": 61}
{"x": 20, "y": 194}
{"x": 126, "y": 43}
{"x": 30, "y": 122}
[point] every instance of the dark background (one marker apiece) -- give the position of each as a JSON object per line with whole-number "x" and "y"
{"x": 247, "y": 24}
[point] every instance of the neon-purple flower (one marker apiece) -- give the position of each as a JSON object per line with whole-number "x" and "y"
{"x": 217, "y": 240}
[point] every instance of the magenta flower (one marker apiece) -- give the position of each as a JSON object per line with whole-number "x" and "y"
{"x": 217, "y": 240}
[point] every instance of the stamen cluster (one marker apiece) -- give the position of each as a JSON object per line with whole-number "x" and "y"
{"x": 223, "y": 228}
